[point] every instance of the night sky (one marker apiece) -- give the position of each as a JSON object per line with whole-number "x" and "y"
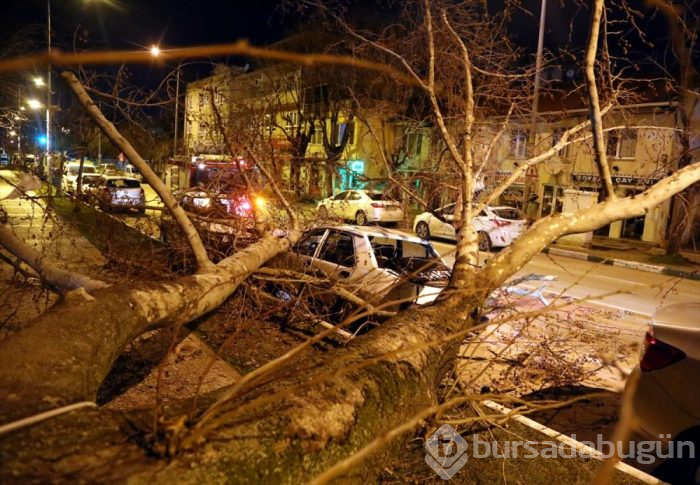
{"x": 128, "y": 24}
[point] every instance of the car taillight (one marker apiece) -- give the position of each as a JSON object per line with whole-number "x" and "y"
{"x": 502, "y": 222}
{"x": 244, "y": 206}
{"x": 377, "y": 205}
{"x": 657, "y": 354}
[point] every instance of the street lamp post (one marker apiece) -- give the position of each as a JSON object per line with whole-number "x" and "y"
{"x": 177, "y": 109}
{"x": 48, "y": 81}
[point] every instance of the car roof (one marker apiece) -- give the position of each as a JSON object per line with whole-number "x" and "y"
{"x": 114, "y": 177}
{"x": 375, "y": 231}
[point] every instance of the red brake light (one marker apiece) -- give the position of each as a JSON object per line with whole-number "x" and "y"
{"x": 657, "y": 354}
{"x": 501, "y": 222}
{"x": 377, "y": 205}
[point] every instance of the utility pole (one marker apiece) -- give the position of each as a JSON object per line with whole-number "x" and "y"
{"x": 48, "y": 81}
{"x": 19, "y": 125}
{"x": 535, "y": 100}
{"x": 177, "y": 111}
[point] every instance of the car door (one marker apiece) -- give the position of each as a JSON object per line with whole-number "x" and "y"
{"x": 335, "y": 204}
{"x": 337, "y": 257}
{"x": 353, "y": 204}
{"x": 302, "y": 254}
{"x": 442, "y": 224}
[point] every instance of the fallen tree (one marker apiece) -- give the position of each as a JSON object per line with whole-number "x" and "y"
{"x": 298, "y": 415}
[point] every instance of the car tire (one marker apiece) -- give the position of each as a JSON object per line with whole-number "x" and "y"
{"x": 360, "y": 218}
{"x": 323, "y": 212}
{"x": 484, "y": 242}
{"x": 422, "y": 230}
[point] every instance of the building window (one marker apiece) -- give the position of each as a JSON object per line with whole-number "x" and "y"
{"x": 203, "y": 99}
{"x": 414, "y": 144}
{"x": 218, "y": 98}
{"x": 291, "y": 121}
{"x": 556, "y": 137}
{"x": 339, "y": 131}
{"x": 621, "y": 143}
{"x": 518, "y": 143}
{"x": 317, "y": 137}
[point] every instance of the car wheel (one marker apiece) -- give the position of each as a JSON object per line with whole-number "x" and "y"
{"x": 360, "y": 218}
{"x": 323, "y": 212}
{"x": 423, "y": 231}
{"x": 484, "y": 242}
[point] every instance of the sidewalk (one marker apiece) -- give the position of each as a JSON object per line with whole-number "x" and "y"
{"x": 634, "y": 255}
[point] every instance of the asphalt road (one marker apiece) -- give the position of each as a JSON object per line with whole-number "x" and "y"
{"x": 622, "y": 288}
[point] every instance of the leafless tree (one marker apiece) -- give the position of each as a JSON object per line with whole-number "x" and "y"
{"x": 324, "y": 416}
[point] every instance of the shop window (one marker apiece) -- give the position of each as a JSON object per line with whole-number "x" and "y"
{"x": 552, "y": 200}
{"x": 556, "y": 137}
{"x": 518, "y": 143}
{"x": 621, "y": 143}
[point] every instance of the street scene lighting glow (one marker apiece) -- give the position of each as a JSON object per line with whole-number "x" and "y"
{"x": 34, "y": 103}
{"x": 38, "y": 82}
{"x": 155, "y": 51}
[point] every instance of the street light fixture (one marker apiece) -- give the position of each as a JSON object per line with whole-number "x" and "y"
{"x": 155, "y": 50}
{"x": 34, "y": 103}
{"x": 39, "y": 82}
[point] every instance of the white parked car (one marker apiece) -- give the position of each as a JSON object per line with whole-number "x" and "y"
{"x": 69, "y": 181}
{"x": 667, "y": 399}
{"x": 116, "y": 192}
{"x": 361, "y": 206}
{"x": 381, "y": 266}
{"x": 497, "y": 227}
{"x": 131, "y": 172}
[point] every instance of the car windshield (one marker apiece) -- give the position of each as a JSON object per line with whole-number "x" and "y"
{"x": 378, "y": 196}
{"x": 124, "y": 183}
{"x": 510, "y": 213}
{"x": 401, "y": 255}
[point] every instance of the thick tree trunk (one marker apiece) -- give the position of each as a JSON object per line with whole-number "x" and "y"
{"x": 67, "y": 352}
{"x": 286, "y": 431}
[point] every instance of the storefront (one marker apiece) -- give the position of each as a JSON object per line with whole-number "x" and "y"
{"x": 649, "y": 227}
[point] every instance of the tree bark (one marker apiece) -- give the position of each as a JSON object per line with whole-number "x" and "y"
{"x": 53, "y": 276}
{"x": 67, "y": 352}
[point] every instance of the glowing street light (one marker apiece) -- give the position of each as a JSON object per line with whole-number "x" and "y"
{"x": 39, "y": 82}
{"x": 155, "y": 50}
{"x": 34, "y": 103}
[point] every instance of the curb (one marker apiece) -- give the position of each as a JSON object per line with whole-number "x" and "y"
{"x": 649, "y": 268}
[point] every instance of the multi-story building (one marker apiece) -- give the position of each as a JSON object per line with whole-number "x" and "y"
{"x": 641, "y": 142}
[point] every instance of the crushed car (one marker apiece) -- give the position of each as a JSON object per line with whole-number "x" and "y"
{"x": 388, "y": 270}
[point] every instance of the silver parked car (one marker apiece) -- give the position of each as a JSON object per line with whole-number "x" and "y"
{"x": 497, "y": 227}
{"x": 361, "y": 206}
{"x": 115, "y": 192}
{"x": 384, "y": 267}
{"x": 667, "y": 399}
